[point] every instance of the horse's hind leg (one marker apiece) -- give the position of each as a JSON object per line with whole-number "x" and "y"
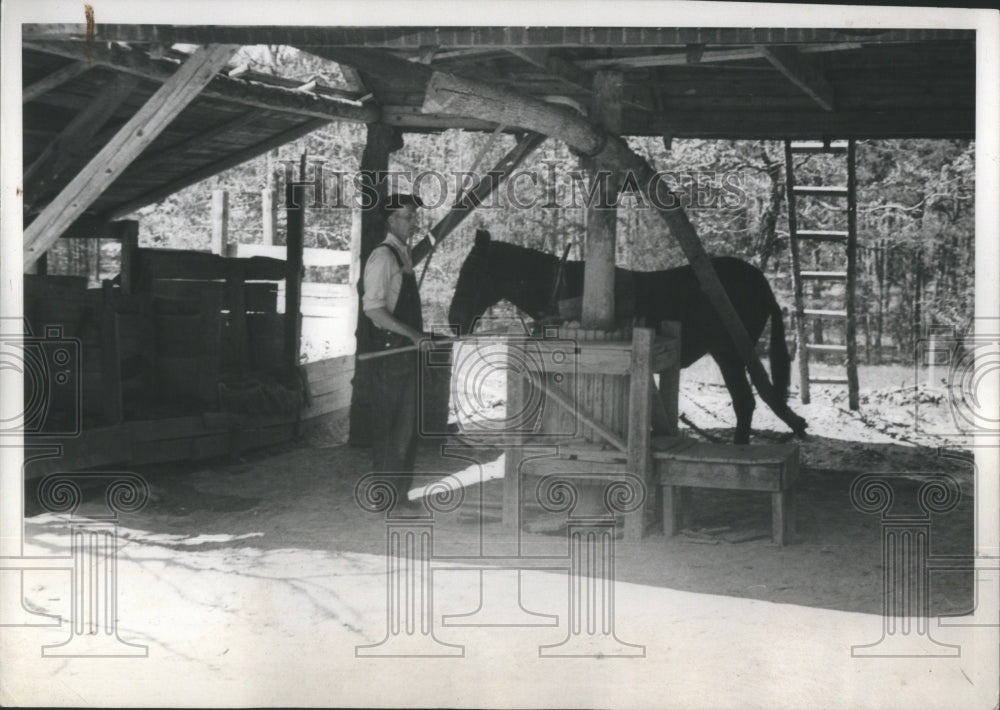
{"x": 735, "y": 375}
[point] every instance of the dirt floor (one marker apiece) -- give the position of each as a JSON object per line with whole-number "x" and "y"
{"x": 230, "y": 547}
{"x": 303, "y": 496}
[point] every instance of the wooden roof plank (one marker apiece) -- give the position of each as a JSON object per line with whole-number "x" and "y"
{"x": 218, "y": 166}
{"x": 799, "y": 70}
{"x": 75, "y": 139}
{"x": 105, "y": 167}
{"x": 220, "y": 87}
{"x": 56, "y": 78}
{"x": 458, "y": 37}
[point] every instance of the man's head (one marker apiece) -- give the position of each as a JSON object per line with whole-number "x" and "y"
{"x": 401, "y": 215}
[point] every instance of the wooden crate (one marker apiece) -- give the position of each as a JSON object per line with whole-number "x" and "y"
{"x": 770, "y": 468}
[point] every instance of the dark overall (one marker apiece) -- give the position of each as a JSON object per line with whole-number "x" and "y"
{"x": 393, "y": 387}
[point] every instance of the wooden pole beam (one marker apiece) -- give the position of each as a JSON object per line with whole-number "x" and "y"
{"x": 602, "y": 217}
{"x": 220, "y": 221}
{"x": 479, "y": 193}
{"x": 295, "y": 206}
{"x": 450, "y": 94}
{"x": 112, "y": 160}
{"x": 382, "y": 140}
{"x": 56, "y": 78}
{"x": 801, "y": 71}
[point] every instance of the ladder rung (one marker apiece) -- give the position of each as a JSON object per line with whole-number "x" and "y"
{"x": 820, "y": 190}
{"x": 822, "y": 235}
{"x": 824, "y": 275}
{"x": 819, "y": 147}
{"x": 827, "y": 348}
{"x": 828, "y": 381}
{"x": 817, "y": 313}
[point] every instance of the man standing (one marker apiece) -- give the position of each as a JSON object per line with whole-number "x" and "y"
{"x": 393, "y": 319}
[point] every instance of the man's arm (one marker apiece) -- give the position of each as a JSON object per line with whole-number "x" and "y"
{"x": 385, "y": 320}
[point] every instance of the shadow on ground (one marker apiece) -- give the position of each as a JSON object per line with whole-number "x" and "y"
{"x": 304, "y": 497}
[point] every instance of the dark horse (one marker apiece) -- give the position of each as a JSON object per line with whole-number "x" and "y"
{"x": 495, "y": 271}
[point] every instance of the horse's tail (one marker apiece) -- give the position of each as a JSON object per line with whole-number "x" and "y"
{"x": 781, "y": 363}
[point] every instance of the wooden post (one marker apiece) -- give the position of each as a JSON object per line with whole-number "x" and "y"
{"x": 602, "y": 218}
{"x": 382, "y": 140}
{"x": 236, "y": 297}
{"x": 111, "y": 370}
{"x": 269, "y": 210}
{"x": 129, "y": 262}
{"x": 640, "y": 407}
{"x": 295, "y": 209}
{"x": 802, "y": 352}
{"x": 670, "y": 380}
{"x": 475, "y": 99}
{"x": 852, "y": 278}
{"x": 220, "y": 221}
{"x": 513, "y": 456}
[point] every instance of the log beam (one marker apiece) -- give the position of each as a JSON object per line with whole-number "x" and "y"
{"x": 450, "y": 94}
{"x": 479, "y": 193}
{"x": 134, "y": 137}
{"x": 802, "y": 72}
{"x": 602, "y": 217}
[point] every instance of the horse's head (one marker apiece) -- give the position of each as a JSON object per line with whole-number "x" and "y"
{"x": 474, "y": 292}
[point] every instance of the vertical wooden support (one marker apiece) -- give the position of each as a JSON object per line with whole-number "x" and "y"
{"x": 147, "y": 343}
{"x": 670, "y": 379}
{"x": 602, "y": 218}
{"x": 295, "y": 209}
{"x": 129, "y": 263}
{"x": 676, "y": 507}
{"x": 640, "y": 406}
{"x": 111, "y": 370}
{"x": 852, "y": 279}
{"x": 269, "y": 213}
{"x": 513, "y": 455}
{"x": 210, "y": 312}
{"x": 220, "y": 221}
{"x": 382, "y": 140}
{"x": 235, "y": 296}
{"x": 793, "y": 249}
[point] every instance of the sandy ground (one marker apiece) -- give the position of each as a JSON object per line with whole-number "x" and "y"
{"x": 253, "y": 583}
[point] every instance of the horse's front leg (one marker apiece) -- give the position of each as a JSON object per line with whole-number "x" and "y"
{"x": 735, "y": 375}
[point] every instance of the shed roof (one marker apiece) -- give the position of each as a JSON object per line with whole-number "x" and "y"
{"x": 732, "y": 83}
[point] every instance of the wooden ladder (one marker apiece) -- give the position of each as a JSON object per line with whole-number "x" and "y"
{"x": 844, "y": 271}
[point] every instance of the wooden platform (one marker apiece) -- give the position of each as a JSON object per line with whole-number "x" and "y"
{"x": 771, "y": 468}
